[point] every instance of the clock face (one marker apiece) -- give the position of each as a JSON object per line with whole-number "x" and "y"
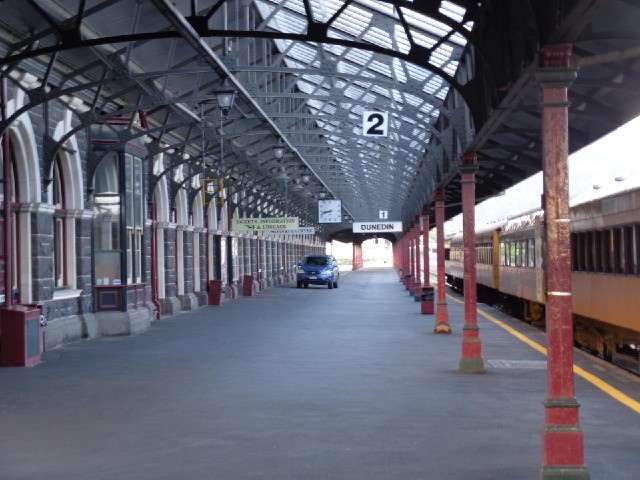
{"x": 330, "y": 211}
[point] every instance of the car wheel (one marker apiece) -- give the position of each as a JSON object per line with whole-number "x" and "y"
{"x": 306, "y": 285}
{"x": 299, "y": 284}
{"x": 330, "y": 284}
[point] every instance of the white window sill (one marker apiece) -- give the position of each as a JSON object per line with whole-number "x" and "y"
{"x": 66, "y": 294}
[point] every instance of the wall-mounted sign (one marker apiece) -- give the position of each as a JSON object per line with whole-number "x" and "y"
{"x": 262, "y": 224}
{"x": 375, "y": 124}
{"x": 297, "y": 231}
{"x": 376, "y": 227}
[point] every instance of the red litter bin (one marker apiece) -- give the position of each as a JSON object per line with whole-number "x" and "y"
{"x": 407, "y": 281}
{"x": 21, "y": 339}
{"x": 247, "y": 286}
{"x": 215, "y": 292}
{"x": 427, "y": 300}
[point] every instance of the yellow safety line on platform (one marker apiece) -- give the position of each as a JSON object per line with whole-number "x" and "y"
{"x": 589, "y": 377}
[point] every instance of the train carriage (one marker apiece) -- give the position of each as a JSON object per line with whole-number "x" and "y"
{"x": 605, "y": 245}
{"x": 605, "y": 233}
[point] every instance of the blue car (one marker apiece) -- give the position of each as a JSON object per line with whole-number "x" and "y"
{"x": 318, "y": 270}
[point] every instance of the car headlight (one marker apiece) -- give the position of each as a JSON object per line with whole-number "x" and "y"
{"x": 299, "y": 270}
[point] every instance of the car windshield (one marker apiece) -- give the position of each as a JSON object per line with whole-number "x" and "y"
{"x": 316, "y": 261}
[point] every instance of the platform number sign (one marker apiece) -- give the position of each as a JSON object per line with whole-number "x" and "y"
{"x": 375, "y": 124}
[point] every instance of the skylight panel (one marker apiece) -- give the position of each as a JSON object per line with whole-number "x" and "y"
{"x": 451, "y": 68}
{"x": 352, "y": 21}
{"x": 377, "y": 36}
{"x": 406, "y": 119}
{"x": 334, "y": 49}
{"x": 353, "y": 92}
{"x": 458, "y": 39}
{"x": 417, "y": 72}
{"x": 314, "y": 79}
{"x": 361, "y": 57}
{"x": 287, "y": 22}
{"x": 302, "y": 52}
{"x": 345, "y": 67}
{"x": 381, "y": 7}
{"x": 305, "y": 87}
{"x": 380, "y": 67}
{"x": 382, "y": 91}
{"x": 451, "y": 10}
{"x": 434, "y": 84}
{"x": 401, "y": 42}
{"x": 423, "y": 39}
{"x": 413, "y": 100}
{"x": 425, "y": 23}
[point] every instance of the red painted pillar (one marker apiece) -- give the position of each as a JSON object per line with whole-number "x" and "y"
{"x": 409, "y": 274}
{"x": 471, "y": 361}
{"x": 354, "y": 257}
{"x": 562, "y": 439}
{"x": 412, "y": 253}
{"x": 425, "y": 245}
{"x": 416, "y": 281}
{"x": 442, "y": 313}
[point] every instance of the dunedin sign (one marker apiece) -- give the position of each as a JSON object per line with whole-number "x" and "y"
{"x": 376, "y": 227}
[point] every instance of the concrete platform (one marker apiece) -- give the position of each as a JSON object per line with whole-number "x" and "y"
{"x": 302, "y": 384}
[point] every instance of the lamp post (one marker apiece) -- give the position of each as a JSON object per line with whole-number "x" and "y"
{"x": 278, "y": 152}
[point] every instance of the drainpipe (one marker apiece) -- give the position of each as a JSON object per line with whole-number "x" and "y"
{"x": 154, "y": 261}
{"x": 6, "y": 166}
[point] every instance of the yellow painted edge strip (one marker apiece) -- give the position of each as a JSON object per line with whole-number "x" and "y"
{"x": 589, "y": 377}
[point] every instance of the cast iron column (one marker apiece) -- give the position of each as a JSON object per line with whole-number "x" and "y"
{"x": 425, "y": 245}
{"x": 562, "y": 439}
{"x": 471, "y": 361}
{"x": 442, "y": 313}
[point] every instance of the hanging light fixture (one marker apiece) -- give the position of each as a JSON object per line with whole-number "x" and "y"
{"x": 278, "y": 150}
{"x": 225, "y": 98}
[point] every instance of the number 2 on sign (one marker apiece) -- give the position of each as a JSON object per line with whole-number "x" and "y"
{"x": 375, "y": 124}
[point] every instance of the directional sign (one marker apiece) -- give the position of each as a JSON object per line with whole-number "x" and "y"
{"x": 376, "y": 227}
{"x": 262, "y": 224}
{"x": 375, "y": 124}
{"x": 297, "y": 231}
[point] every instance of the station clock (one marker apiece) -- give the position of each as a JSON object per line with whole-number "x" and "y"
{"x": 329, "y": 211}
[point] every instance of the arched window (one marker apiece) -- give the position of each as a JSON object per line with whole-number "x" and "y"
{"x": 59, "y": 236}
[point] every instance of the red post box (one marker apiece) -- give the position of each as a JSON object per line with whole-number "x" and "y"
{"x": 427, "y": 300}
{"x": 21, "y": 337}
{"x": 215, "y": 292}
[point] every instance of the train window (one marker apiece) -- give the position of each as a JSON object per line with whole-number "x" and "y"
{"x": 531, "y": 253}
{"x": 588, "y": 252}
{"x": 635, "y": 250}
{"x": 631, "y": 250}
{"x": 612, "y": 264}
{"x": 579, "y": 251}
{"x": 503, "y": 253}
{"x": 619, "y": 250}
{"x": 597, "y": 252}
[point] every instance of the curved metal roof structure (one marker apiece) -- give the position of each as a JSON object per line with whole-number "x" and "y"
{"x": 451, "y": 77}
